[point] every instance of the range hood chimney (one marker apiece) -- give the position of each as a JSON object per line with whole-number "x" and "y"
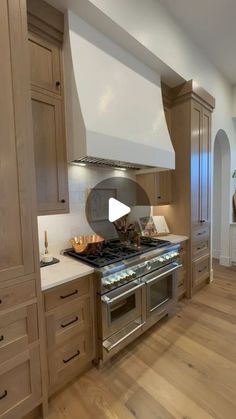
{"x": 114, "y": 109}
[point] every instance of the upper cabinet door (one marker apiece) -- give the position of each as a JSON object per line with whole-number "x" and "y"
{"x": 163, "y": 187}
{"x": 50, "y": 154}
{"x": 205, "y": 166}
{"x": 16, "y": 174}
{"x": 196, "y": 127}
{"x": 45, "y": 64}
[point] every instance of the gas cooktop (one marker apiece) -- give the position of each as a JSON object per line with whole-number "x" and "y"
{"x": 113, "y": 251}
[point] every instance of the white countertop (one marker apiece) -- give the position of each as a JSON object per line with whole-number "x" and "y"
{"x": 64, "y": 271}
{"x": 174, "y": 238}
{"x": 68, "y": 269}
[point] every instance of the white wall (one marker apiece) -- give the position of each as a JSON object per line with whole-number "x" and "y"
{"x": 216, "y": 244}
{"x": 62, "y": 227}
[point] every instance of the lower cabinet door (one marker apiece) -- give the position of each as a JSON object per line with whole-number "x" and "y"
{"x": 201, "y": 270}
{"x": 69, "y": 360}
{"x": 20, "y": 384}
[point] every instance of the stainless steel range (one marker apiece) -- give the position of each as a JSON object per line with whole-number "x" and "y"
{"x": 134, "y": 289}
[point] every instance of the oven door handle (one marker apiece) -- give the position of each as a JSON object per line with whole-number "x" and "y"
{"x": 110, "y": 347}
{"x": 167, "y": 272}
{"x": 108, "y": 301}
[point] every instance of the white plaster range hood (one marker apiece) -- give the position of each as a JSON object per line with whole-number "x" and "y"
{"x": 114, "y": 109}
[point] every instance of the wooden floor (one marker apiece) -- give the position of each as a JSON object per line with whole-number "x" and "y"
{"x": 185, "y": 369}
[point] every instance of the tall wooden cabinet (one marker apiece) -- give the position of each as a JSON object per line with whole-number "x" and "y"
{"x": 189, "y": 109}
{"x": 21, "y": 337}
{"x": 45, "y": 48}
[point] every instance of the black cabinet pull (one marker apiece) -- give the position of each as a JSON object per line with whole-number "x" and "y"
{"x": 58, "y": 83}
{"x": 159, "y": 197}
{"x": 202, "y": 221}
{"x": 0, "y": 301}
{"x": 69, "y": 323}
{"x": 203, "y": 232}
{"x": 3, "y": 395}
{"x": 200, "y": 248}
{"x": 69, "y": 295}
{"x": 203, "y": 269}
{"x": 63, "y": 201}
{"x": 72, "y": 357}
{"x": 1, "y": 338}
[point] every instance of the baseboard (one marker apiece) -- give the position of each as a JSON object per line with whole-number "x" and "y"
{"x": 211, "y": 275}
{"x": 225, "y": 260}
{"x": 216, "y": 254}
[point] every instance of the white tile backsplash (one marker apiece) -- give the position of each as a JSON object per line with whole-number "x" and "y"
{"x": 62, "y": 227}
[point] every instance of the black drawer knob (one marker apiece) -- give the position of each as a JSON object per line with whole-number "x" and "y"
{"x": 58, "y": 83}
{"x": 63, "y": 201}
{"x": 1, "y": 338}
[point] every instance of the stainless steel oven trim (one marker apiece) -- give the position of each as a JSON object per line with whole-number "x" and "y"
{"x": 108, "y": 346}
{"x": 110, "y": 327}
{"x": 156, "y": 279}
{"x": 157, "y": 276}
{"x": 105, "y": 299}
{"x": 159, "y": 305}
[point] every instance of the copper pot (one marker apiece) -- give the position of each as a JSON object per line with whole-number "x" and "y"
{"x": 91, "y": 244}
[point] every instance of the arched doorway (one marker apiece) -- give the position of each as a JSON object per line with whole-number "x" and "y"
{"x": 222, "y": 200}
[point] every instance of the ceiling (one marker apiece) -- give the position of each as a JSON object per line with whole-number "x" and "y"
{"x": 211, "y": 25}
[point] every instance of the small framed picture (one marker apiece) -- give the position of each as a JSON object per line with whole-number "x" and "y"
{"x": 147, "y": 226}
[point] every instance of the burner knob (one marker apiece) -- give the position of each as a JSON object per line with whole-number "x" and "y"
{"x": 148, "y": 266}
{"x": 131, "y": 275}
{"x": 161, "y": 260}
{"x": 167, "y": 257}
{"x": 118, "y": 279}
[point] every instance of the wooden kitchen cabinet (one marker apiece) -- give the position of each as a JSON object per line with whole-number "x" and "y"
{"x": 183, "y": 271}
{"x": 50, "y": 153}
{"x": 20, "y": 384}
{"x": 48, "y": 115}
{"x": 200, "y": 164}
{"x": 157, "y": 186}
{"x": 191, "y": 110}
{"x": 16, "y": 241}
{"x": 45, "y": 64}
{"x": 70, "y": 325}
{"x": 21, "y": 330}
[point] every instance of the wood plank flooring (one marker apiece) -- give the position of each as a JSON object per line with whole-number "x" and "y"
{"x": 184, "y": 369}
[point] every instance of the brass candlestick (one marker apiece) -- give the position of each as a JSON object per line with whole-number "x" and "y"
{"x": 46, "y": 241}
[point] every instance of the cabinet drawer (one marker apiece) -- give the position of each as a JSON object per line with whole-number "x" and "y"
{"x": 200, "y": 247}
{"x": 65, "y": 293}
{"x": 11, "y": 296}
{"x": 200, "y": 233}
{"x": 68, "y": 360}
{"x": 18, "y": 329}
{"x": 201, "y": 270}
{"x": 20, "y": 385}
{"x": 69, "y": 320}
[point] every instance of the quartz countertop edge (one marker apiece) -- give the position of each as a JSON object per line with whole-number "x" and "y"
{"x": 65, "y": 271}
{"x": 174, "y": 238}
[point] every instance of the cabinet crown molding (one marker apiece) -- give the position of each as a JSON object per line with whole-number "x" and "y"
{"x": 186, "y": 91}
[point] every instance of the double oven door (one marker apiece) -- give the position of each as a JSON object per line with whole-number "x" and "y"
{"x": 161, "y": 288}
{"x": 121, "y": 313}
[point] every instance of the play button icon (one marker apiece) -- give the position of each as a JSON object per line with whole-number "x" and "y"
{"x": 117, "y": 210}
